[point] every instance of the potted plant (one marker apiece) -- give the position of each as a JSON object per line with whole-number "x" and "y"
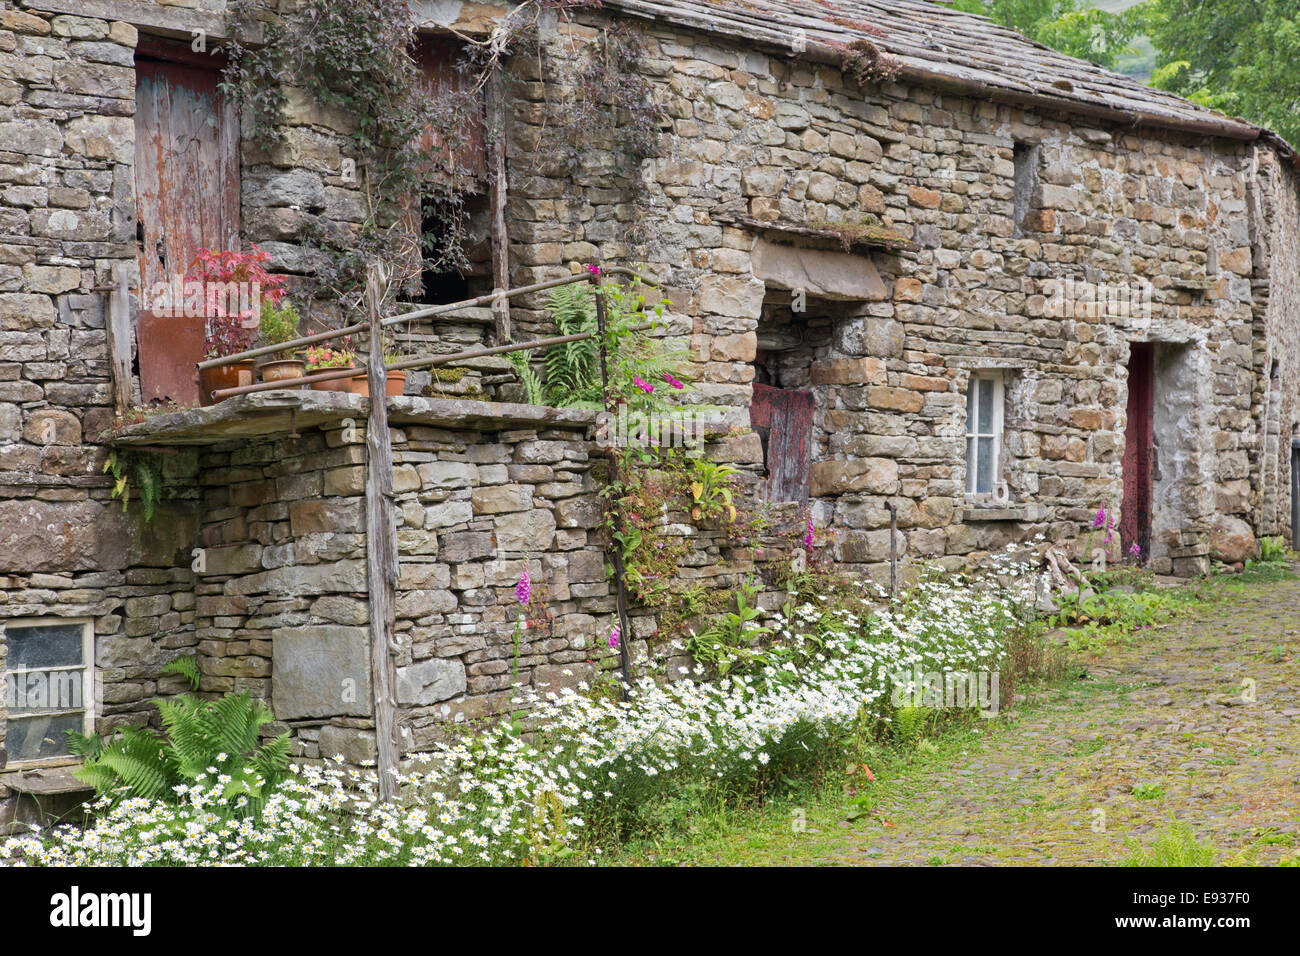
{"x": 230, "y": 287}
{"x": 395, "y": 381}
{"x": 321, "y": 358}
{"x": 279, "y": 324}
{"x": 225, "y": 335}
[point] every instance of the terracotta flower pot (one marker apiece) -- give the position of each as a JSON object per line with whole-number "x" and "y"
{"x": 395, "y": 384}
{"x": 234, "y": 375}
{"x": 282, "y": 369}
{"x": 343, "y": 384}
{"x": 361, "y": 384}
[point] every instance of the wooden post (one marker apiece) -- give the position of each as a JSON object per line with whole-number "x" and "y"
{"x": 381, "y": 543}
{"x": 496, "y": 131}
{"x": 118, "y": 328}
{"x": 616, "y": 553}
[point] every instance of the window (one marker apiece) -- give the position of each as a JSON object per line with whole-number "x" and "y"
{"x": 49, "y": 684}
{"x": 1024, "y": 159}
{"x": 983, "y": 433}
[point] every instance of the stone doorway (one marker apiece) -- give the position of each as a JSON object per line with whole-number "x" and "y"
{"x": 1139, "y": 451}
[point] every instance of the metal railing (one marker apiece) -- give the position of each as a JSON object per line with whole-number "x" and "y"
{"x": 426, "y": 361}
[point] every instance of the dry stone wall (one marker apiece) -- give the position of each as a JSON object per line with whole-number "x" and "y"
{"x": 771, "y": 138}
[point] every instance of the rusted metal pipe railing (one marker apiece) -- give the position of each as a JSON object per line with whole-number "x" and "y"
{"x": 426, "y": 361}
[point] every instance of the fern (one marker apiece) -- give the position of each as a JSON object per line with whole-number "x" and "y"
{"x": 187, "y": 667}
{"x": 573, "y": 368}
{"x": 199, "y": 736}
{"x": 534, "y": 393}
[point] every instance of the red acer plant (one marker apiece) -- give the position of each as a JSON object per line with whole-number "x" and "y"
{"x": 232, "y": 286}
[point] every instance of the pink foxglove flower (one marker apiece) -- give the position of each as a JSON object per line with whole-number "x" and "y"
{"x": 808, "y": 538}
{"x": 1101, "y": 520}
{"x": 524, "y": 589}
{"x": 673, "y": 382}
{"x": 642, "y": 384}
{"x": 1135, "y": 550}
{"x": 614, "y": 636}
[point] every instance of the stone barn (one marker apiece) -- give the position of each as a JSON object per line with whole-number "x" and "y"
{"x": 923, "y": 264}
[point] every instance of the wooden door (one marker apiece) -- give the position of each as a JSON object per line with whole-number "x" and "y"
{"x": 187, "y": 200}
{"x": 783, "y": 418}
{"x": 1135, "y": 512}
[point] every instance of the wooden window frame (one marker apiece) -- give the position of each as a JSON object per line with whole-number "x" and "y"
{"x": 995, "y": 433}
{"x": 89, "y": 696}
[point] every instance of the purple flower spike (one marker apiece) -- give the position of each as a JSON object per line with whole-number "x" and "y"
{"x": 614, "y": 636}
{"x": 524, "y": 589}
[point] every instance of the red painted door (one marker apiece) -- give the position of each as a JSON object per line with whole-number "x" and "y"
{"x": 187, "y": 200}
{"x": 783, "y": 418}
{"x": 1135, "y": 512}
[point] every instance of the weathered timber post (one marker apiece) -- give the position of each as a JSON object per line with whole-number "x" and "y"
{"x": 381, "y": 542}
{"x": 893, "y": 548}
{"x": 616, "y": 553}
{"x": 118, "y": 329}
{"x": 496, "y": 142}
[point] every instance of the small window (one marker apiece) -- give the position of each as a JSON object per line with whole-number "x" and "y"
{"x": 49, "y": 686}
{"x": 983, "y": 433}
{"x": 1024, "y": 158}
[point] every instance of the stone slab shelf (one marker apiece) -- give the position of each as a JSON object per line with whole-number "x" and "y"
{"x": 278, "y": 411}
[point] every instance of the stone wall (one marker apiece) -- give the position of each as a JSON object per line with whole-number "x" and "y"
{"x": 770, "y": 138}
{"x": 67, "y": 95}
{"x": 281, "y": 599}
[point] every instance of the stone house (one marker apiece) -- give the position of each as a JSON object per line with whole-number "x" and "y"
{"x": 927, "y": 264}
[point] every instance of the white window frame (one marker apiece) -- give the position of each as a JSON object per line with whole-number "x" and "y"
{"x": 89, "y": 686}
{"x": 972, "y": 414}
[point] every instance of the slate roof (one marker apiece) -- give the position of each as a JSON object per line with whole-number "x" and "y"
{"x": 938, "y": 46}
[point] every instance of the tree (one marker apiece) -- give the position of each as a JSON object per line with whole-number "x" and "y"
{"x": 1071, "y": 26}
{"x": 1238, "y": 56}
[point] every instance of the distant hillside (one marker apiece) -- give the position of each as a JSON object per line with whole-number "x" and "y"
{"x": 1140, "y": 63}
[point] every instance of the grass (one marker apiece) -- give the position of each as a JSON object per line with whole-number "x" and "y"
{"x": 838, "y": 818}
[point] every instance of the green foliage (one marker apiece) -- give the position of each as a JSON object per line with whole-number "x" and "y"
{"x": 733, "y": 639}
{"x": 279, "y": 324}
{"x": 187, "y": 667}
{"x": 209, "y": 744}
{"x": 1093, "y": 620}
{"x": 1236, "y": 57}
{"x": 710, "y": 489}
{"x": 1071, "y": 26}
{"x": 534, "y": 391}
{"x": 573, "y": 368}
{"x": 138, "y": 469}
{"x": 1272, "y": 550}
{"x": 1176, "y": 845}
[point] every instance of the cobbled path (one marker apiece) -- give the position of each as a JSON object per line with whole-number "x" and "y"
{"x": 1170, "y": 714}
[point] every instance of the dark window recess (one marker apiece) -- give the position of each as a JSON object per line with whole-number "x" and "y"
{"x": 1025, "y": 159}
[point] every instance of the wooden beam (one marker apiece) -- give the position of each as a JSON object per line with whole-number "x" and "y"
{"x": 496, "y": 131}
{"x": 118, "y": 328}
{"x": 381, "y": 543}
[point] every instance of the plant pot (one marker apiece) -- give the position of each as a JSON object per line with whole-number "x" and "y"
{"x": 361, "y": 384}
{"x": 332, "y": 385}
{"x": 395, "y": 384}
{"x": 223, "y": 376}
{"x": 282, "y": 369}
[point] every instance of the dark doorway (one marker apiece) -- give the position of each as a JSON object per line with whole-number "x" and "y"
{"x": 1295, "y": 494}
{"x": 783, "y": 419}
{"x": 1139, "y": 450}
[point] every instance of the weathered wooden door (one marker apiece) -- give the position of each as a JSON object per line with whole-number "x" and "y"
{"x": 1135, "y": 512}
{"x": 783, "y": 418}
{"x": 187, "y": 200}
